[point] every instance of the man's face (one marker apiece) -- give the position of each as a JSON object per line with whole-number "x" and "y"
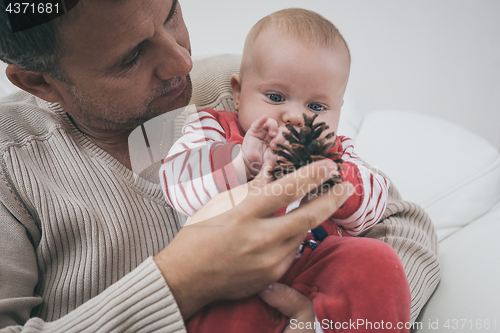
{"x": 128, "y": 62}
{"x": 285, "y": 78}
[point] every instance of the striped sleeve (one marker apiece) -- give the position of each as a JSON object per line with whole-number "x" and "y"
{"x": 198, "y": 166}
{"x": 366, "y": 206}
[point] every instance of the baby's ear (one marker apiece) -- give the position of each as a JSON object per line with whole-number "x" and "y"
{"x": 236, "y": 86}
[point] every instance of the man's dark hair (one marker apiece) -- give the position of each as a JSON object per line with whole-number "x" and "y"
{"x": 37, "y": 49}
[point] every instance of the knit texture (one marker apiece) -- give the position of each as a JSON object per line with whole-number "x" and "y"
{"x": 74, "y": 223}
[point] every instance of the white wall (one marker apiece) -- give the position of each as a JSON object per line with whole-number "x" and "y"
{"x": 440, "y": 57}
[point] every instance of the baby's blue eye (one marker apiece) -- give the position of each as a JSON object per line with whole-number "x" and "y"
{"x": 316, "y": 107}
{"x": 276, "y": 98}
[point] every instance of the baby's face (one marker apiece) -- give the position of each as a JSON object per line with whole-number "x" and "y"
{"x": 285, "y": 78}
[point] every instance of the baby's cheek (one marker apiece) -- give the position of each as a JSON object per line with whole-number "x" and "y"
{"x": 245, "y": 120}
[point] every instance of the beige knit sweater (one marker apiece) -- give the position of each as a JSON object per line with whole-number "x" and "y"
{"x": 78, "y": 229}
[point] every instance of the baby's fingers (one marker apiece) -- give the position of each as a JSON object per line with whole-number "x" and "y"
{"x": 259, "y": 124}
{"x": 271, "y": 125}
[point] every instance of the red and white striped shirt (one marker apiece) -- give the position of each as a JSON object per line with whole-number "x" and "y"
{"x": 198, "y": 167}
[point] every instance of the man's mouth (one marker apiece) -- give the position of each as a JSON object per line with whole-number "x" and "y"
{"x": 174, "y": 88}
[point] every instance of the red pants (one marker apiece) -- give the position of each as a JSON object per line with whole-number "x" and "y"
{"x": 355, "y": 284}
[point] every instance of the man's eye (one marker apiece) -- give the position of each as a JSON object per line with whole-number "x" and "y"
{"x": 132, "y": 61}
{"x": 276, "y": 98}
{"x": 316, "y": 107}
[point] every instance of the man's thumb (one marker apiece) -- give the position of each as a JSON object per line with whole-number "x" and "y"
{"x": 287, "y": 300}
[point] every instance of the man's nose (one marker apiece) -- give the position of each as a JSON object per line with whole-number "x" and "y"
{"x": 174, "y": 59}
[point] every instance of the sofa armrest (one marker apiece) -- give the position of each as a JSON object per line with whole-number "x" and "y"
{"x": 468, "y": 294}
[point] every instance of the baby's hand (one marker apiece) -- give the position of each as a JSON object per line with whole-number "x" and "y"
{"x": 256, "y": 144}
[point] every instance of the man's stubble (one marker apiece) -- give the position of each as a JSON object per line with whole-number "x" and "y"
{"x": 86, "y": 109}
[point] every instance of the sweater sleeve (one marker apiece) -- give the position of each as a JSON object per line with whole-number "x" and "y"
{"x": 199, "y": 164}
{"x": 366, "y": 206}
{"x": 407, "y": 228}
{"x": 141, "y": 301}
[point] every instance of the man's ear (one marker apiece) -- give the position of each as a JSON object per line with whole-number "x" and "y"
{"x": 38, "y": 84}
{"x": 236, "y": 85}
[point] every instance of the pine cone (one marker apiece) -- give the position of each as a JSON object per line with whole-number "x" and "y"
{"x": 306, "y": 147}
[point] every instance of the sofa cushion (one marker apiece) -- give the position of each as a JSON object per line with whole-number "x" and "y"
{"x": 452, "y": 173}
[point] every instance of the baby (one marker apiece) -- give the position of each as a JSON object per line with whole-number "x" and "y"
{"x": 294, "y": 62}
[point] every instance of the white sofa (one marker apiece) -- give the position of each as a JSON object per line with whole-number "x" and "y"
{"x": 455, "y": 176}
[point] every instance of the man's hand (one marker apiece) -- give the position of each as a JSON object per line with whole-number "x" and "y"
{"x": 292, "y": 304}
{"x": 242, "y": 250}
{"x": 256, "y": 146}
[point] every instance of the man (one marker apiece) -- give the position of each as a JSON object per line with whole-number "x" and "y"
{"x": 74, "y": 223}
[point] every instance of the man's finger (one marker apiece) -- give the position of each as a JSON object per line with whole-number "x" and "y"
{"x": 280, "y": 193}
{"x": 287, "y": 300}
{"x": 313, "y": 213}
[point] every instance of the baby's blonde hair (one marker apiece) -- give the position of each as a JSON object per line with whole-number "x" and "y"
{"x": 306, "y": 26}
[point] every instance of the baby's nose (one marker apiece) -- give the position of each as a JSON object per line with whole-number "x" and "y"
{"x": 294, "y": 117}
